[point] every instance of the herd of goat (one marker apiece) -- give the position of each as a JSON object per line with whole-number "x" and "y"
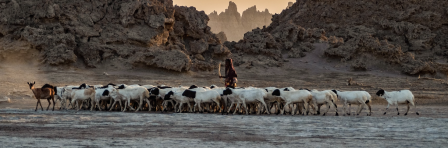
{"x": 212, "y": 99}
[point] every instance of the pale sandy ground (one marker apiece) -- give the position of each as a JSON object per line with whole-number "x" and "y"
{"x": 20, "y": 126}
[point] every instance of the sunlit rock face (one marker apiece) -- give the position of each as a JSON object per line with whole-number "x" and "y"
{"x": 234, "y": 24}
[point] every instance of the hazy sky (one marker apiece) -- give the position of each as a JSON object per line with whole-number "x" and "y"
{"x": 274, "y": 6}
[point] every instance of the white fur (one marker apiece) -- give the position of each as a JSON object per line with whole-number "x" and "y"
{"x": 99, "y": 96}
{"x": 399, "y": 97}
{"x": 323, "y": 97}
{"x": 253, "y": 95}
{"x": 208, "y": 96}
{"x": 177, "y": 96}
{"x": 269, "y": 99}
{"x": 174, "y": 89}
{"x": 296, "y": 96}
{"x": 355, "y": 97}
{"x": 66, "y": 94}
{"x": 82, "y": 94}
{"x": 130, "y": 93}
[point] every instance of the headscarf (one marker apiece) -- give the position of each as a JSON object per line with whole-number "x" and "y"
{"x": 230, "y": 70}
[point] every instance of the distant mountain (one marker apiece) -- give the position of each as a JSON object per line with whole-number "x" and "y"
{"x": 234, "y": 25}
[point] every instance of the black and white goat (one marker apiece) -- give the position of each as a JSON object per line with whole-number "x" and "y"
{"x": 293, "y": 97}
{"x": 398, "y": 97}
{"x": 208, "y": 96}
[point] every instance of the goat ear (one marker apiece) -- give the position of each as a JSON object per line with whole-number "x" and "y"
{"x": 28, "y": 83}
{"x": 34, "y": 82}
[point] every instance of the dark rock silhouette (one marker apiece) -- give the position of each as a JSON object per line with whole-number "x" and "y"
{"x": 100, "y": 33}
{"x": 408, "y": 36}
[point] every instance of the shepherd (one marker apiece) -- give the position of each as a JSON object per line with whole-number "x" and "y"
{"x": 230, "y": 74}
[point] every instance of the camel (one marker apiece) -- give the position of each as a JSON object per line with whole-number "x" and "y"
{"x": 46, "y": 92}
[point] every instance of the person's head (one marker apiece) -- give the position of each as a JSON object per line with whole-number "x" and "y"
{"x": 228, "y": 62}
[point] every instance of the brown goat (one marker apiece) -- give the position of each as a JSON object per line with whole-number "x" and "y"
{"x": 46, "y": 92}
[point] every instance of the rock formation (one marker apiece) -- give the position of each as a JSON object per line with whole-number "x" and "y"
{"x": 410, "y": 36}
{"x": 267, "y": 44}
{"x": 222, "y": 36}
{"x": 103, "y": 33}
{"x": 234, "y": 25}
{"x": 290, "y": 5}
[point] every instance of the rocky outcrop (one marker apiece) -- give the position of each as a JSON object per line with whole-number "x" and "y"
{"x": 222, "y": 36}
{"x": 406, "y": 35}
{"x": 234, "y": 25}
{"x": 290, "y": 5}
{"x": 97, "y": 32}
{"x": 267, "y": 45}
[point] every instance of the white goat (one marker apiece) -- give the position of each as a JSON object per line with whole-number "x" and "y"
{"x": 398, "y": 97}
{"x": 296, "y": 96}
{"x": 323, "y": 97}
{"x": 83, "y": 94}
{"x": 270, "y": 99}
{"x": 361, "y": 98}
{"x": 66, "y": 93}
{"x": 224, "y": 98}
{"x": 130, "y": 93}
{"x": 234, "y": 98}
{"x": 254, "y": 95}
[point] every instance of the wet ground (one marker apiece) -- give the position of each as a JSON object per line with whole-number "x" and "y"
{"x": 27, "y": 128}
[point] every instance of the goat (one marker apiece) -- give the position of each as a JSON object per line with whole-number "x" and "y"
{"x": 296, "y": 96}
{"x": 66, "y": 95}
{"x": 101, "y": 93}
{"x": 167, "y": 99}
{"x": 234, "y": 98}
{"x": 361, "y": 98}
{"x": 224, "y": 98}
{"x": 159, "y": 93}
{"x": 130, "y": 93}
{"x": 179, "y": 100}
{"x": 208, "y": 96}
{"x": 323, "y": 97}
{"x": 398, "y": 97}
{"x": 83, "y": 94}
{"x": 45, "y": 92}
{"x": 251, "y": 95}
{"x": 272, "y": 100}
{"x": 58, "y": 91}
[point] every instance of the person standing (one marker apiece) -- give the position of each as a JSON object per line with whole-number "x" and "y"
{"x": 230, "y": 74}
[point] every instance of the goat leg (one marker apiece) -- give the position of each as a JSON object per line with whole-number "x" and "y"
{"x": 37, "y": 104}
{"x": 49, "y": 103}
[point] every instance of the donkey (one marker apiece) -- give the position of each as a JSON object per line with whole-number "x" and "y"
{"x": 46, "y": 92}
